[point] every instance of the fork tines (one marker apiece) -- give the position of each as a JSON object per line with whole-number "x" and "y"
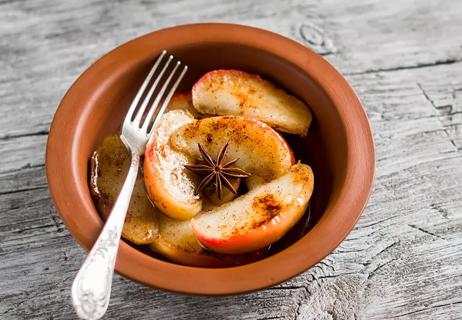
{"x": 161, "y": 82}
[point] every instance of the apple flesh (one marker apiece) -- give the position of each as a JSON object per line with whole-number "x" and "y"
{"x": 170, "y": 187}
{"x": 109, "y": 167}
{"x": 177, "y": 242}
{"x": 233, "y": 92}
{"x": 254, "y": 181}
{"x": 258, "y": 218}
{"x": 183, "y": 101}
{"x": 259, "y": 148}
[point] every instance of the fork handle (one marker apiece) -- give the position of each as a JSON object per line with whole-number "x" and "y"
{"x": 91, "y": 289}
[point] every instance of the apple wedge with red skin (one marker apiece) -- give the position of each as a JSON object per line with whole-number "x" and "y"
{"x": 260, "y": 150}
{"x": 234, "y": 92}
{"x": 177, "y": 242}
{"x": 258, "y": 218}
{"x": 169, "y": 186}
{"x": 183, "y": 101}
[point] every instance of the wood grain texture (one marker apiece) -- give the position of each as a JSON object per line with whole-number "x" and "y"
{"x": 404, "y": 58}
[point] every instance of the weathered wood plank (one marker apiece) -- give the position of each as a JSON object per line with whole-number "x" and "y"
{"x": 22, "y": 152}
{"x": 22, "y": 180}
{"x": 46, "y": 45}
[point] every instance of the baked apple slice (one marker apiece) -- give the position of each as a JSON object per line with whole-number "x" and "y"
{"x": 259, "y": 148}
{"x": 233, "y": 92}
{"x": 170, "y": 187}
{"x": 183, "y": 101}
{"x": 258, "y": 218}
{"x": 177, "y": 242}
{"x": 254, "y": 181}
{"x": 109, "y": 167}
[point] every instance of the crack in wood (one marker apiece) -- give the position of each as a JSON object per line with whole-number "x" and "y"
{"x": 373, "y": 272}
{"x": 333, "y": 315}
{"x": 23, "y": 190}
{"x": 7, "y": 311}
{"x": 45, "y": 226}
{"x": 444, "y": 213}
{"x": 427, "y": 97}
{"x": 285, "y": 287}
{"x": 15, "y": 307}
{"x": 427, "y": 308}
{"x": 333, "y": 276}
{"x": 409, "y": 67}
{"x": 371, "y": 259}
{"x": 304, "y": 296}
{"x": 58, "y": 225}
{"x": 340, "y": 250}
{"x": 66, "y": 257}
{"x": 27, "y": 166}
{"x": 324, "y": 263}
{"x": 387, "y": 248}
{"x": 425, "y": 231}
{"x": 22, "y": 135}
{"x": 353, "y": 238}
{"x": 373, "y": 223}
{"x": 447, "y": 304}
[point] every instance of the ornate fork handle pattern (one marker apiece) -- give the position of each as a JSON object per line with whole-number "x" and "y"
{"x": 91, "y": 289}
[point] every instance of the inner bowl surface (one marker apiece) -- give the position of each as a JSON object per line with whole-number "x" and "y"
{"x": 339, "y": 146}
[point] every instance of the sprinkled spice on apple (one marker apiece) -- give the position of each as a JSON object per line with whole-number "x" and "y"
{"x": 221, "y": 184}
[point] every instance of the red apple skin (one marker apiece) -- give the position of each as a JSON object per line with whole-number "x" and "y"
{"x": 183, "y": 101}
{"x": 183, "y": 210}
{"x": 203, "y": 258}
{"x": 254, "y": 239}
{"x": 280, "y": 137}
{"x": 211, "y": 74}
{"x": 266, "y": 232}
{"x": 158, "y": 175}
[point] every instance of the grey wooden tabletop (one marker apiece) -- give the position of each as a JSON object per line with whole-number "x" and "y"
{"x": 403, "y": 260}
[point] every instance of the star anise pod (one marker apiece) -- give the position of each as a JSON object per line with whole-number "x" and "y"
{"x": 216, "y": 171}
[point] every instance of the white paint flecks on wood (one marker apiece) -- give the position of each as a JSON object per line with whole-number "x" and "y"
{"x": 404, "y": 58}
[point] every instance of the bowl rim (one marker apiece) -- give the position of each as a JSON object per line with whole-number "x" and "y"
{"x": 345, "y": 211}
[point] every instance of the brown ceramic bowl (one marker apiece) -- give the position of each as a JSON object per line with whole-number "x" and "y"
{"x": 339, "y": 148}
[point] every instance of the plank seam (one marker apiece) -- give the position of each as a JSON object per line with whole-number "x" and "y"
{"x": 426, "y": 231}
{"x": 22, "y": 135}
{"x": 27, "y": 166}
{"x": 23, "y": 190}
{"x": 427, "y": 308}
{"x": 410, "y": 67}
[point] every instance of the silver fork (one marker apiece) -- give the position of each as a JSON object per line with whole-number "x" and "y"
{"x": 91, "y": 289}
